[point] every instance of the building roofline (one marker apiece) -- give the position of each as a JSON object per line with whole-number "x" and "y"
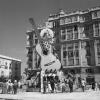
{"x": 65, "y": 14}
{"x": 9, "y": 58}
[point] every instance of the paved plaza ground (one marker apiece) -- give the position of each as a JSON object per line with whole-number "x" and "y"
{"x": 87, "y": 95}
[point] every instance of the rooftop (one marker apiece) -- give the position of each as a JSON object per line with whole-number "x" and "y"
{"x": 9, "y": 58}
{"x": 62, "y": 13}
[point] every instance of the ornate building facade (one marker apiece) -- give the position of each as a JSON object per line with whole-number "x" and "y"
{"x": 77, "y": 42}
{"x": 78, "y": 34}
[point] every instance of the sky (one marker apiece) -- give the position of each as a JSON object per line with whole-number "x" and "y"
{"x": 14, "y": 23}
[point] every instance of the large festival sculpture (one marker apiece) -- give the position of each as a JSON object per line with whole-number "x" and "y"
{"x": 45, "y": 49}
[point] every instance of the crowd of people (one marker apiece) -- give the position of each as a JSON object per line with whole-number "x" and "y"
{"x": 52, "y": 83}
{"x": 10, "y": 87}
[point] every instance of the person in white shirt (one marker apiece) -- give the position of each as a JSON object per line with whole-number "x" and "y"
{"x": 83, "y": 83}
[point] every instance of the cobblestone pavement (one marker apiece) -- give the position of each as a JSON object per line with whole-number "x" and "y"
{"x": 88, "y": 95}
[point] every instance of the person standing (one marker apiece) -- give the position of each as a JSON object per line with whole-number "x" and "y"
{"x": 70, "y": 83}
{"x": 93, "y": 85}
{"x": 44, "y": 84}
{"x": 4, "y": 88}
{"x": 8, "y": 86}
{"x": 52, "y": 83}
{"x": 56, "y": 80}
{"x": 15, "y": 86}
{"x": 83, "y": 83}
{"x": 11, "y": 86}
{"x": 19, "y": 84}
{"x": 48, "y": 83}
{"x": 96, "y": 86}
{"x": 99, "y": 85}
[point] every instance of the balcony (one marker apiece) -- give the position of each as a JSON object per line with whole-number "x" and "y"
{"x": 70, "y": 22}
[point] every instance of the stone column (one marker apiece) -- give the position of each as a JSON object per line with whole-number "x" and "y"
{"x": 83, "y": 54}
{"x": 42, "y": 73}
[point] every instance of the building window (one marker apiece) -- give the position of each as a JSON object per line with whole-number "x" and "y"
{"x": 70, "y": 50}
{"x": 63, "y": 34}
{"x": 70, "y": 54}
{"x": 63, "y": 37}
{"x": 76, "y": 53}
{"x": 86, "y": 28}
{"x": 62, "y": 21}
{"x": 74, "y": 19}
{"x": 64, "y": 62}
{"x": 82, "y": 19}
{"x": 64, "y": 47}
{"x": 98, "y": 51}
{"x": 96, "y": 29}
{"x": 88, "y": 51}
{"x": 64, "y": 54}
{"x": 66, "y": 20}
{"x": 16, "y": 66}
{"x": 98, "y": 60}
{"x": 77, "y": 61}
{"x": 98, "y": 14}
{"x": 56, "y": 24}
{"x": 10, "y": 66}
{"x": 75, "y": 32}
{"x": 70, "y": 34}
{"x": 87, "y": 17}
{"x": 94, "y": 15}
{"x": 69, "y": 20}
{"x": 71, "y": 62}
